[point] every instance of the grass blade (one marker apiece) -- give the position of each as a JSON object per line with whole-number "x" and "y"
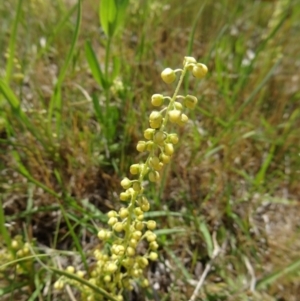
{"x": 56, "y": 101}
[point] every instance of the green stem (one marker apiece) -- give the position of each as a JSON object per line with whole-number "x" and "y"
{"x": 174, "y": 97}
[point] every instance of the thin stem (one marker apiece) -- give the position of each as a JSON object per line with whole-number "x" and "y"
{"x": 174, "y": 97}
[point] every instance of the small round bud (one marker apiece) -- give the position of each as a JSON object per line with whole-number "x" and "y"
{"x": 70, "y": 269}
{"x": 150, "y": 236}
{"x": 153, "y": 245}
{"x": 168, "y": 75}
{"x": 106, "y": 278}
{"x": 151, "y": 225}
{"x": 178, "y": 105}
{"x": 157, "y": 100}
{"x": 137, "y": 186}
{"x": 139, "y": 225}
{"x": 137, "y": 235}
{"x": 153, "y": 256}
{"x": 169, "y": 149}
{"x": 183, "y": 120}
{"x": 165, "y": 158}
{"x": 118, "y": 249}
{"x": 141, "y": 146}
{"x": 174, "y": 115}
{"x": 125, "y": 196}
{"x": 118, "y": 227}
{"x": 127, "y": 262}
{"x": 138, "y": 211}
{"x": 102, "y": 234}
{"x": 123, "y": 212}
{"x": 112, "y": 221}
{"x": 190, "y": 101}
{"x": 199, "y": 70}
{"x": 155, "y": 116}
{"x": 154, "y": 176}
{"x": 134, "y": 169}
{"x": 58, "y": 285}
{"x": 133, "y": 242}
{"x": 112, "y": 213}
{"x": 126, "y": 183}
{"x": 130, "y": 251}
{"x": 140, "y": 217}
{"x": 155, "y": 124}
{"x": 143, "y": 262}
{"x": 149, "y": 146}
{"x": 111, "y": 267}
{"x": 148, "y": 134}
{"x": 173, "y": 138}
{"x": 80, "y": 274}
{"x": 15, "y": 244}
{"x": 145, "y": 283}
{"x": 159, "y": 137}
{"x": 120, "y": 298}
{"x": 188, "y": 60}
{"x": 145, "y": 206}
{"x": 154, "y": 161}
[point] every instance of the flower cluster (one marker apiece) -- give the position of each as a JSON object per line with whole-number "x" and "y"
{"x": 131, "y": 239}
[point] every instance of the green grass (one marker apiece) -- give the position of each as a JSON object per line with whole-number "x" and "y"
{"x": 67, "y": 136}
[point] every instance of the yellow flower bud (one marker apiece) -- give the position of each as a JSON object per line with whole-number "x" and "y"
{"x": 126, "y": 183}
{"x": 169, "y": 149}
{"x": 70, "y": 269}
{"x": 157, "y": 100}
{"x": 123, "y": 212}
{"x": 112, "y": 221}
{"x": 190, "y": 61}
{"x": 153, "y": 176}
{"x": 155, "y": 124}
{"x": 148, "y": 134}
{"x": 153, "y": 256}
{"x": 153, "y": 245}
{"x": 58, "y": 285}
{"x": 134, "y": 169}
{"x": 154, "y": 161}
{"x": 183, "y": 120}
{"x": 107, "y": 278}
{"x": 140, "y": 217}
{"x": 137, "y": 186}
{"x": 174, "y": 115}
{"x": 165, "y": 158}
{"x": 141, "y": 146}
{"x": 155, "y": 116}
{"x": 190, "y": 101}
{"x": 173, "y": 138}
{"x": 151, "y": 225}
{"x": 130, "y": 251}
{"x": 168, "y": 75}
{"x": 112, "y": 213}
{"x": 118, "y": 227}
{"x": 145, "y": 283}
{"x": 111, "y": 267}
{"x": 139, "y": 225}
{"x": 137, "y": 235}
{"x": 199, "y": 70}
{"x": 159, "y": 137}
{"x": 138, "y": 211}
{"x": 80, "y": 274}
{"x": 125, "y": 196}
{"x": 151, "y": 237}
{"x": 133, "y": 242}
{"x": 102, "y": 234}
{"x": 178, "y": 105}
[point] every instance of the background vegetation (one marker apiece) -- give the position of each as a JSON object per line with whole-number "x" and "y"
{"x": 68, "y": 134}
